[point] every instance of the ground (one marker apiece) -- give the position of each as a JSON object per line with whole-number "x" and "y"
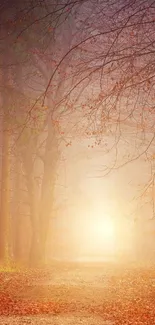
{"x": 73, "y": 294}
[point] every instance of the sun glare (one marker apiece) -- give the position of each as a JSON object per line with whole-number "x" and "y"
{"x": 103, "y": 228}
{"x": 102, "y": 233}
{"x": 96, "y": 236}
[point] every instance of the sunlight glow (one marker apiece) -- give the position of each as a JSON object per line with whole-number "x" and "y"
{"x": 103, "y": 228}
{"x": 101, "y": 234}
{"x": 97, "y": 235}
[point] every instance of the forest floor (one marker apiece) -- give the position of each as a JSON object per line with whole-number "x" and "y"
{"x": 78, "y": 294}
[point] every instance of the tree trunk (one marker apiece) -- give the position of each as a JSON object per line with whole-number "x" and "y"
{"x": 16, "y": 216}
{"x": 48, "y": 183}
{"x": 34, "y": 249}
{"x": 5, "y": 190}
{"x": 4, "y": 216}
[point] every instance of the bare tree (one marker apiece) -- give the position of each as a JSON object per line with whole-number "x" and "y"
{"x": 34, "y": 124}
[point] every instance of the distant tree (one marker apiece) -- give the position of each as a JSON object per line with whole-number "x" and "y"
{"x": 34, "y": 126}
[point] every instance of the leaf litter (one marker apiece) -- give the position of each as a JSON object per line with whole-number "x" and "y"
{"x": 111, "y": 296}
